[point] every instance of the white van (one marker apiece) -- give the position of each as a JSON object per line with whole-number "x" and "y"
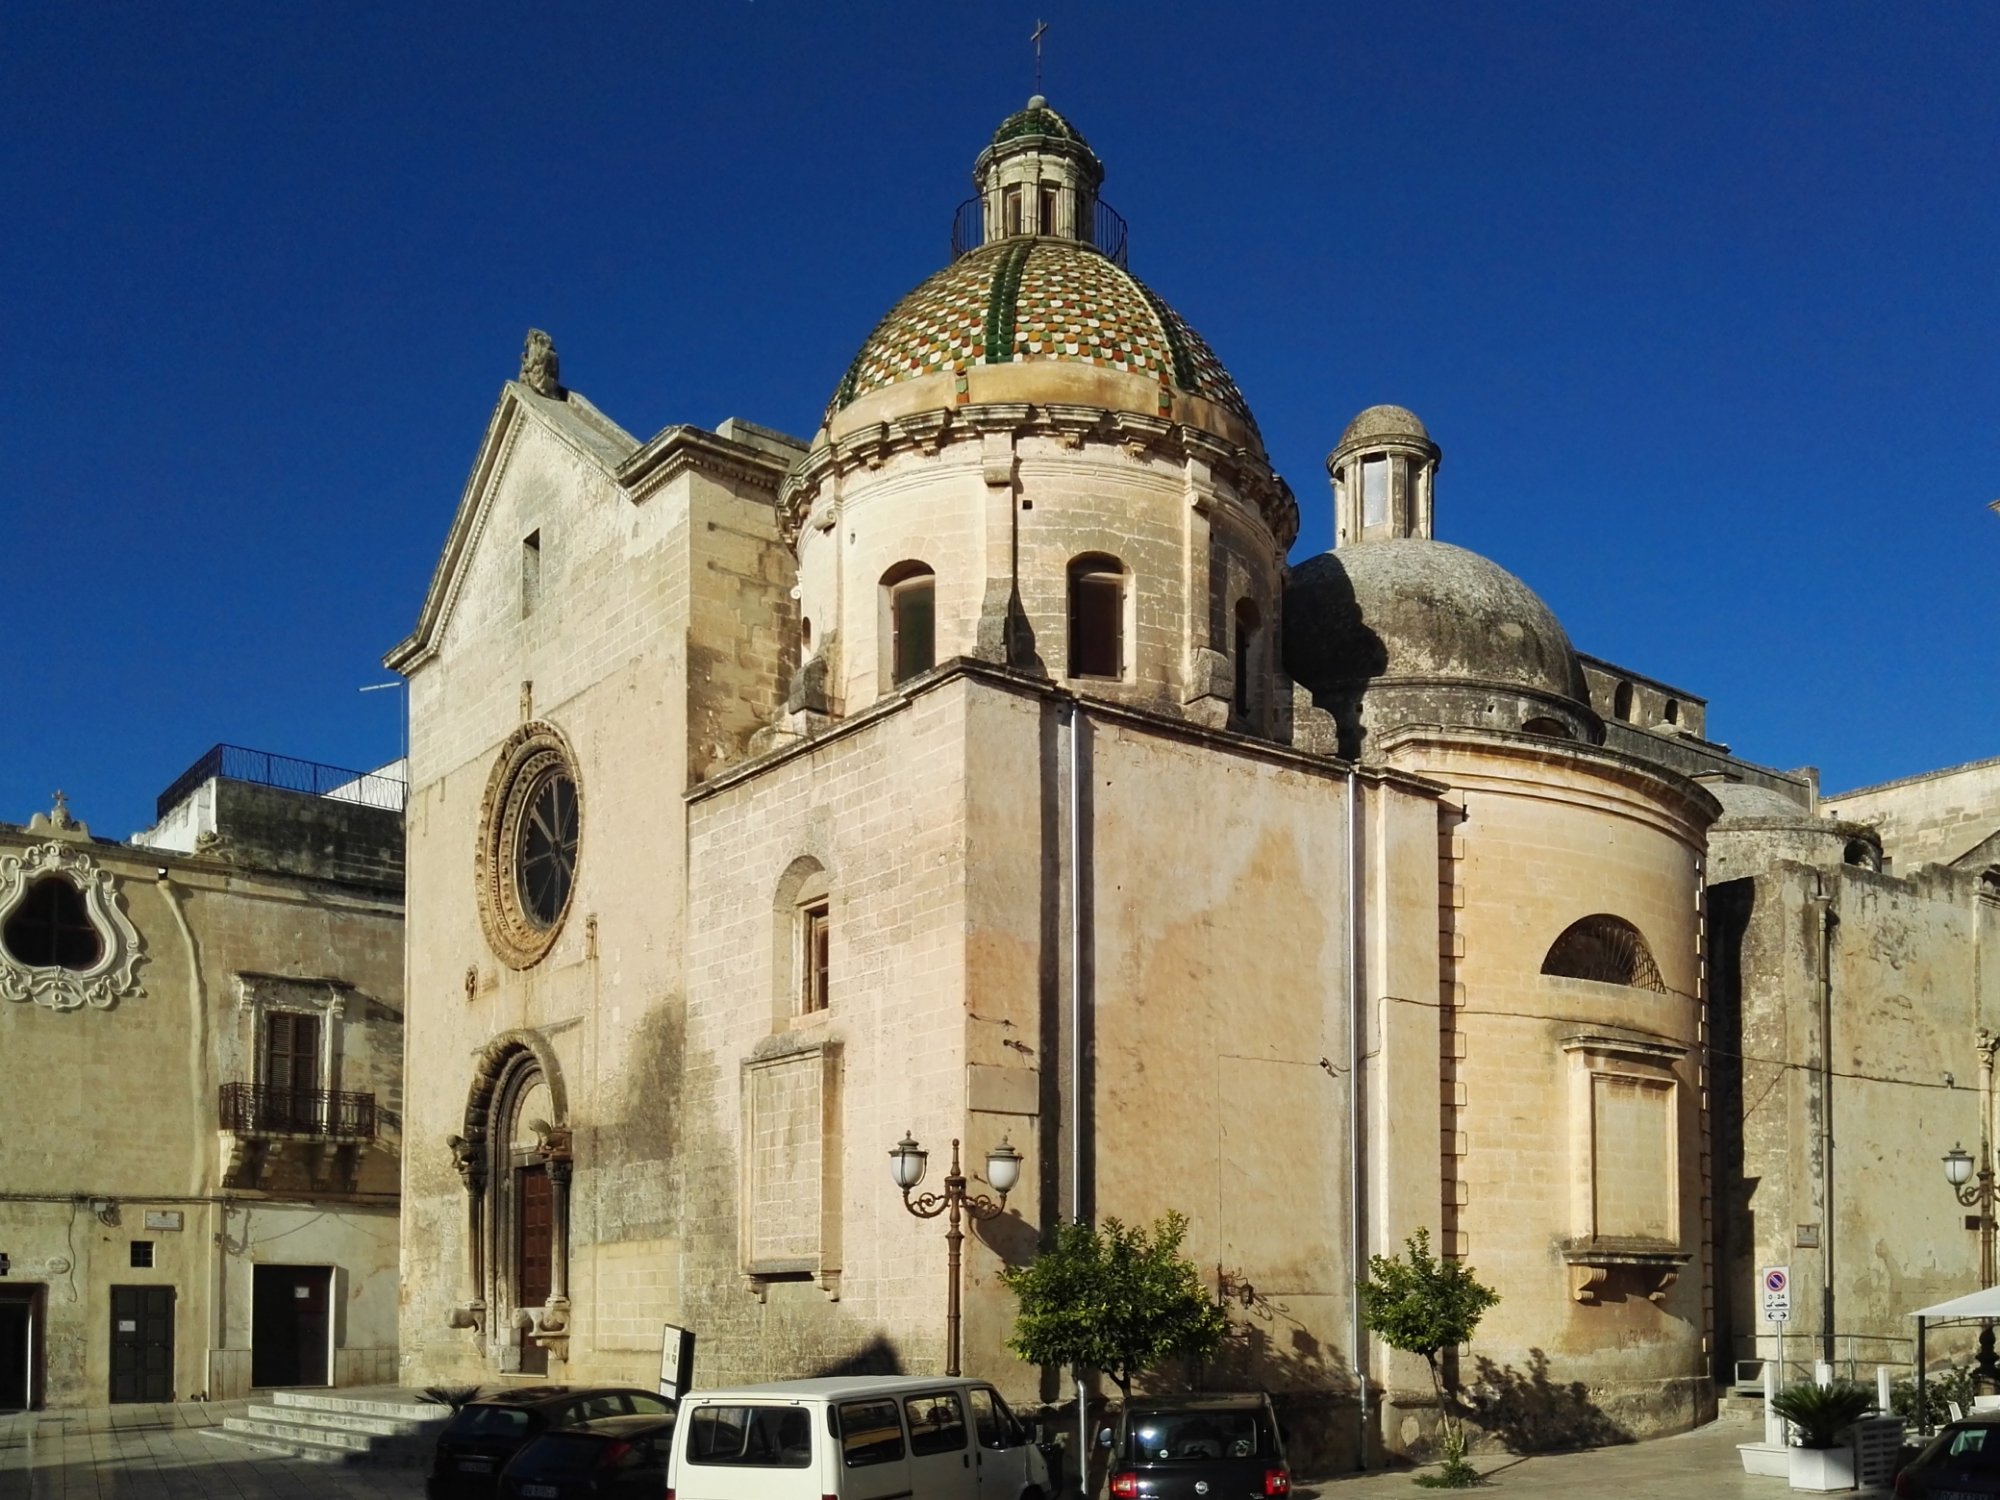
{"x": 860, "y": 1437}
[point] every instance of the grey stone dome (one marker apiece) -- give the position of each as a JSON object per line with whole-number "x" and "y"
{"x": 1743, "y": 801}
{"x": 1409, "y": 630}
{"x": 1385, "y": 422}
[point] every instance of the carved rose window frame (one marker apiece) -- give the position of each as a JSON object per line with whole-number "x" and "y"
{"x": 114, "y": 976}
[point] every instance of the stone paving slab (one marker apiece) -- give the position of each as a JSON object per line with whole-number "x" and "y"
{"x": 145, "y": 1452}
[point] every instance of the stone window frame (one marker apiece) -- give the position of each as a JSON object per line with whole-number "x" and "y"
{"x": 258, "y": 996}
{"x": 901, "y": 583}
{"x": 114, "y": 976}
{"x": 1593, "y": 1257}
{"x": 1088, "y": 569}
{"x": 822, "y": 1055}
{"x": 803, "y": 891}
{"x": 528, "y": 757}
{"x": 1246, "y": 656}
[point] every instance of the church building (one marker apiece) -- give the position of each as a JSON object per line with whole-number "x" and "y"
{"x": 980, "y": 772}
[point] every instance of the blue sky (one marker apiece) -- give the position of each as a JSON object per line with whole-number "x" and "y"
{"x": 1700, "y": 301}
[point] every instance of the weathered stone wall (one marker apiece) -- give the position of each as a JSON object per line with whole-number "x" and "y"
{"x": 1931, "y": 819}
{"x": 125, "y": 1112}
{"x": 1911, "y": 984}
{"x": 1574, "y": 1136}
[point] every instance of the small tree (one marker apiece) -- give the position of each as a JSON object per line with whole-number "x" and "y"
{"x": 1422, "y": 1305}
{"x": 1113, "y": 1298}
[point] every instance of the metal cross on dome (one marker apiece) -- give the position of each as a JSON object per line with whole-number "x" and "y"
{"x": 1041, "y": 29}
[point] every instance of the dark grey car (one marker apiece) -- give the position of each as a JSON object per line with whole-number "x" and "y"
{"x": 1197, "y": 1448}
{"x": 1961, "y": 1463}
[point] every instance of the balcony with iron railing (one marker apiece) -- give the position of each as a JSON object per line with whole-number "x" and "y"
{"x": 264, "y": 1110}
{"x": 1102, "y": 227}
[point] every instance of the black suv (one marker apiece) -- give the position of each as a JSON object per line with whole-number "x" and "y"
{"x": 483, "y": 1435}
{"x": 1197, "y": 1448}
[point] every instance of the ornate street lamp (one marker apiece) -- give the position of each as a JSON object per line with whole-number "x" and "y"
{"x": 1003, "y": 1169}
{"x": 1978, "y": 1193}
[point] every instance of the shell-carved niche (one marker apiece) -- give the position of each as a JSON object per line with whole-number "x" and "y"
{"x": 84, "y": 905}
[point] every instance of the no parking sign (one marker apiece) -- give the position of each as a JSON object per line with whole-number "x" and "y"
{"x": 1775, "y": 1282}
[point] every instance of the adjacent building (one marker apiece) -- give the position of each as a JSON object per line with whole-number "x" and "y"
{"x": 203, "y": 1033}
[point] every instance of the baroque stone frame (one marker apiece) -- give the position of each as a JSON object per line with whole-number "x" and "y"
{"x": 529, "y": 756}
{"x": 114, "y": 976}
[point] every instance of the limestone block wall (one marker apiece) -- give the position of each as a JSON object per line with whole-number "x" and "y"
{"x": 1911, "y": 985}
{"x": 786, "y": 1117}
{"x": 655, "y": 645}
{"x": 121, "y": 1124}
{"x": 1929, "y": 819}
{"x": 994, "y": 509}
{"x": 1576, "y": 1138}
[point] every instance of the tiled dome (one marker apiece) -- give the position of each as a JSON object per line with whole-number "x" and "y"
{"x": 1027, "y": 299}
{"x": 1038, "y": 119}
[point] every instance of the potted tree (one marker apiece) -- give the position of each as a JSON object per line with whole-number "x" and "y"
{"x": 1822, "y": 1456}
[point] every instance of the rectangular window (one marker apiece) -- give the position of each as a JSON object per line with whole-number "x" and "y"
{"x": 914, "y": 607}
{"x": 1375, "y": 492}
{"x": 937, "y": 1425}
{"x": 1010, "y": 209}
{"x": 291, "y": 1052}
{"x": 759, "y": 1437}
{"x": 870, "y": 1433}
{"x": 1097, "y": 625}
{"x": 815, "y": 944}
{"x": 142, "y": 1254}
{"x": 1048, "y": 207}
{"x": 531, "y": 572}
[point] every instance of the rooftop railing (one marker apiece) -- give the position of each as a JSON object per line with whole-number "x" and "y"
{"x": 1104, "y": 227}
{"x": 235, "y": 763}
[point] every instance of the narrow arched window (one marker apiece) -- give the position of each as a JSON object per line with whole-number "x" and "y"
{"x": 1248, "y": 625}
{"x": 1621, "y": 702}
{"x": 1607, "y": 949}
{"x": 1553, "y": 729}
{"x": 1096, "y": 616}
{"x": 1673, "y": 711}
{"x": 909, "y": 607}
{"x": 51, "y": 928}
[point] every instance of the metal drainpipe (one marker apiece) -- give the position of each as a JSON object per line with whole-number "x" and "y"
{"x": 1827, "y": 923}
{"x": 1074, "y": 717}
{"x": 1356, "y": 1019}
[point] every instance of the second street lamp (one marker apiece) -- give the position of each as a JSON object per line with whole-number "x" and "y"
{"x": 907, "y": 1162}
{"x": 1978, "y": 1193}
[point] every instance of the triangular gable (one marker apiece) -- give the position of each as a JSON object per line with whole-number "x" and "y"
{"x": 572, "y": 421}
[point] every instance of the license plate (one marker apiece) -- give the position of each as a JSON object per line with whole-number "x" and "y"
{"x": 475, "y": 1466}
{"x": 541, "y": 1491}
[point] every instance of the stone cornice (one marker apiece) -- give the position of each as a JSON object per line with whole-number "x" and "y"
{"x": 684, "y": 449}
{"x": 871, "y": 445}
{"x": 1008, "y": 680}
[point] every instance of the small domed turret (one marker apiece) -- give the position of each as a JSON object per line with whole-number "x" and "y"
{"x": 1038, "y": 176}
{"x": 1383, "y": 475}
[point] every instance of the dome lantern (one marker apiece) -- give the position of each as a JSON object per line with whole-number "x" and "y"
{"x": 1038, "y": 176}
{"x": 1384, "y": 473}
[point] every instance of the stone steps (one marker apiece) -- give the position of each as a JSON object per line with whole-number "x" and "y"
{"x": 395, "y": 1429}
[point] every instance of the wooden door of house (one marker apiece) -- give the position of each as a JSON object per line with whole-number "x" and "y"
{"x": 142, "y": 1343}
{"x": 534, "y": 1247}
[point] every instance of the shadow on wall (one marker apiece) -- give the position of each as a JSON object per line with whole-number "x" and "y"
{"x": 1529, "y": 1413}
{"x": 1311, "y": 1387}
{"x": 1329, "y": 649}
{"x": 876, "y": 1357}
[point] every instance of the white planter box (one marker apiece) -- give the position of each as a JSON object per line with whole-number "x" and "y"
{"x": 1822, "y": 1470}
{"x": 1773, "y": 1460}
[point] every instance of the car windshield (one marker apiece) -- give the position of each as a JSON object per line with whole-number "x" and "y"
{"x": 1969, "y": 1447}
{"x": 1194, "y": 1436}
{"x": 487, "y": 1422}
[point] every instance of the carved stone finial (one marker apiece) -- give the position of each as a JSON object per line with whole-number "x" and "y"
{"x": 541, "y": 371}
{"x": 59, "y": 817}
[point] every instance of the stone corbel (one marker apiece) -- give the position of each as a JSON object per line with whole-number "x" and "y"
{"x": 1072, "y": 424}
{"x": 549, "y": 1327}
{"x": 1140, "y": 434}
{"x": 468, "y": 1315}
{"x": 1584, "y": 1282}
{"x": 996, "y": 459}
{"x": 868, "y": 445}
{"x": 998, "y": 416}
{"x": 925, "y": 428}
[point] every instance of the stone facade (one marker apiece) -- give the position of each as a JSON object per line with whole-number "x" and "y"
{"x": 981, "y": 770}
{"x": 154, "y": 1173}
